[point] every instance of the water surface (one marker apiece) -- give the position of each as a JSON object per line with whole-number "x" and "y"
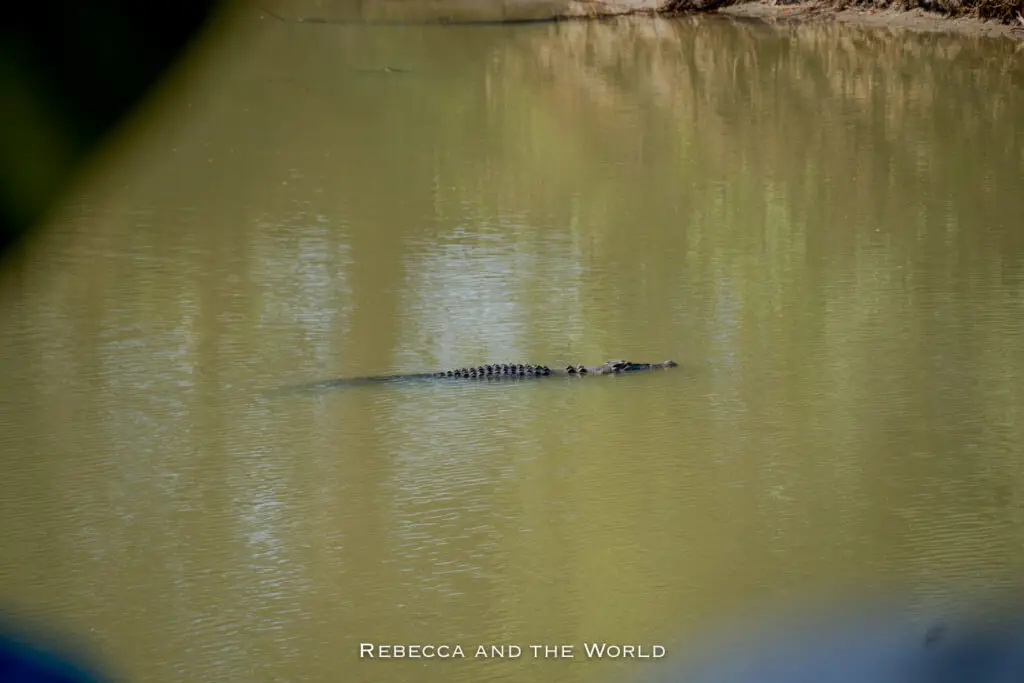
{"x": 821, "y": 224}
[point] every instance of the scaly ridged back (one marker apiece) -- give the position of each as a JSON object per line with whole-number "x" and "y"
{"x": 498, "y": 371}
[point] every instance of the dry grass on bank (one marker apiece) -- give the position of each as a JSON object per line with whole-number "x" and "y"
{"x": 1005, "y": 11}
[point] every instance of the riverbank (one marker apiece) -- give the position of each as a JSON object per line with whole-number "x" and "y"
{"x": 973, "y": 17}
{"x": 1000, "y": 16}
{"x": 915, "y": 19}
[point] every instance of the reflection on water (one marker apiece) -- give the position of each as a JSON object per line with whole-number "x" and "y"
{"x": 820, "y": 223}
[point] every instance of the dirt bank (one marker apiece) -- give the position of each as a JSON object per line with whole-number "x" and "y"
{"x": 915, "y": 19}
{"x": 962, "y": 16}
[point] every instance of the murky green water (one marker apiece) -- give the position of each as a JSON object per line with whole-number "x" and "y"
{"x": 822, "y": 224}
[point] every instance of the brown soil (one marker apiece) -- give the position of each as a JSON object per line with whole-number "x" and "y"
{"x": 978, "y": 17}
{"x": 913, "y": 19}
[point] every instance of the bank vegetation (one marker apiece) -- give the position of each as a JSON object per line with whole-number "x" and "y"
{"x": 1009, "y": 12}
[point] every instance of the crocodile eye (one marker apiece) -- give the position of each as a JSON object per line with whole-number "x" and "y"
{"x": 570, "y": 369}
{"x": 582, "y": 370}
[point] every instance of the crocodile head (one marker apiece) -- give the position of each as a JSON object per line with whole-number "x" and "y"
{"x": 629, "y": 366}
{"x": 614, "y": 367}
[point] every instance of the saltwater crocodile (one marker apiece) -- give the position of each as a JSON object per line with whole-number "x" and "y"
{"x": 505, "y": 371}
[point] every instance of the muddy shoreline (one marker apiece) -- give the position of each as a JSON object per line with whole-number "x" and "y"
{"x": 466, "y": 12}
{"x": 914, "y": 20}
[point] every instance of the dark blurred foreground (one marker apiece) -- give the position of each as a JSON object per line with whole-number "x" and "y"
{"x": 878, "y": 644}
{"x": 869, "y": 642}
{"x": 25, "y": 662}
{"x": 69, "y": 72}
